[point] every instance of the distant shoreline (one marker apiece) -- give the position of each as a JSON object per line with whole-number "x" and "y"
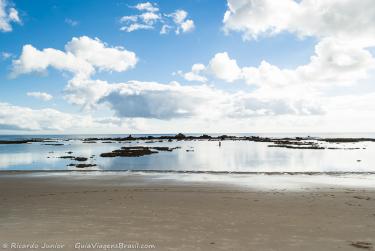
{"x": 132, "y": 171}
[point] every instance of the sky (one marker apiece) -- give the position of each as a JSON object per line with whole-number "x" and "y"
{"x": 193, "y": 66}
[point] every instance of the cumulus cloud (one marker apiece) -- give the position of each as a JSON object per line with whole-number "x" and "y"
{"x": 220, "y": 66}
{"x": 83, "y": 56}
{"x": 302, "y": 91}
{"x": 40, "y": 95}
{"x": 224, "y": 67}
{"x": 147, "y": 6}
{"x": 334, "y": 63}
{"x": 8, "y": 15}
{"x": 160, "y": 101}
{"x": 180, "y": 19}
{"x": 23, "y": 118}
{"x": 194, "y": 74}
{"x": 150, "y": 18}
{"x": 344, "y": 20}
{"x": 85, "y": 92}
{"x": 136, "y": 26}
{"x": 26, "y": 119}
{"x": 152, "y": 100}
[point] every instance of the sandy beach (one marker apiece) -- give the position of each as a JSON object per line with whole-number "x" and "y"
{"x": 71, "y": 212}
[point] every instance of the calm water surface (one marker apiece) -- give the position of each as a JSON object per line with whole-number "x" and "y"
{"x": 239, "y": 156}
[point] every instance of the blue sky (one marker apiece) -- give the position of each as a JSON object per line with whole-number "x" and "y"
{"x": 289, "y": 91}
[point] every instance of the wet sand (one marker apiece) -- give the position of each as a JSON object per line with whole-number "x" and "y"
{"x": 70, "y": 212}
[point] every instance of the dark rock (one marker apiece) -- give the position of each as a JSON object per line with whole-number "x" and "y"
{"x": 165, "y": 149}
{"x": 313, "y": 147}
{"x": 180, "y": 136}
{"x": 205, "y": 136}
{"x": 129, "y": 152}
{"x": 74, "y": 158}
{"x": 66, "y": 157}
{"x": 82, "y": 165}
{"x": 362, "y": 244}
{"x": 10, "y": 142}
{"x": 80, "y": 159}
{"x": 346, "y": 140}
{"x": 136, "y": 151}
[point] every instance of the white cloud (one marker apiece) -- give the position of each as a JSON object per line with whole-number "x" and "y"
{"x": 303, "y": 91}
{"x": 195, "y": 73}
{"x": 224, "y": 67}
{"x": 16, "y": 118}
{"x": 348, "y": 20}
{"x": 100, "y": 55}
{"x": 165, "y": 29}
{"x": 187, "y": 26}
{"x": 23, "y": 118}
{"x": 7, "y": 16}
{"x": 132, "y": 18}
{"x": 179, "y": 16}
{"x": 85, "y": 92}
{"x": 6, "y": 55}
{"x": 150, "y": 18}
{"x": 13, "y": 15}
{"x": 147, "y": 6}
{"x": 40, "y": 95}
{"x": 334, "y": 63}
{"x": 34, "y": 60}
{"x": 151, "y": 100}
{"x": 183, "y": 24}
{"x": 154, "y": 100}
{"x": 171, "y": 101}
{"x": 136, "y": 26}
{"x": 83, "y": 56}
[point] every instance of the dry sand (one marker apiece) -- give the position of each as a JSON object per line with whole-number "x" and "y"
{"x": 186, "y": 216}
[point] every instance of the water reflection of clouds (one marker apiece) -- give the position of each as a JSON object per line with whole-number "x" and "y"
{"x": 240, "y": 156}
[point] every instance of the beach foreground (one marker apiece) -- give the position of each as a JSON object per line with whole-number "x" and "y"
{"x": 70, "y": 213}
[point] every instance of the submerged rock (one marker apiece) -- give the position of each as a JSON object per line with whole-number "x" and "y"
{"x": 164, "y": 148}
{"x": 136, "y": 151}
{"x": 74, "y": 158}
{"x": 313, "y": 147}
{"x": 66, "y": 157}
{"x": 9, "y": 142}
{"x": 129, "y": 152}
{"x": 82, "y": 165}
{"x": 362, "y": 244}
{"x": 80, "y": 159}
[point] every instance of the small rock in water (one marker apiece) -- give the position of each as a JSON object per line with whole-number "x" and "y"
{"x": 362, "y": 244}
{"x": 80, "y": 158}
